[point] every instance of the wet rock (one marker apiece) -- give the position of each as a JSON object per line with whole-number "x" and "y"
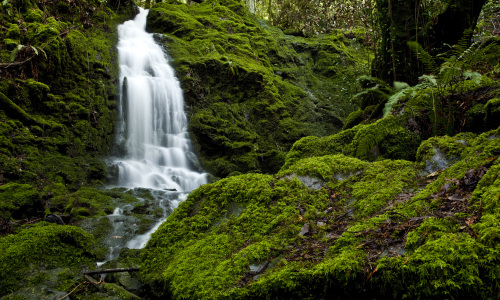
{"x": 304, "y": 230}
{"x": 37, "y": 292}
{"x": 52, "y": 218}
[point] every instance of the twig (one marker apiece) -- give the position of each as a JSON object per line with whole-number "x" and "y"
{"x": 36, "y": 220}
{"x": 72, "y": 291}
{"x": 6, "y": 65}
{"x": 112, "y": 271}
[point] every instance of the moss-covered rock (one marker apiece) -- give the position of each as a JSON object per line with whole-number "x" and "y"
{"x": 354, "y": 119}
{"x": 327, "y": 223}
{"x": 28, "y": 256}
{"x": 386, "y": 138}
{"x": 19, "y": 201}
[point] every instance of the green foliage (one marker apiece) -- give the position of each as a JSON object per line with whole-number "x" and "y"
{"x": 429, "y": 230}
{"x": 226, "y": 229}
{"x": 390, "y": 179}
{"x": 451, "y": 147}
{"x": 326, "y": 168}
{"x": 203, "y": 228}
{"x": 307, "y": 17}
{"x": 83, "y": 203}
{"x": 384, "y": 138}
{"x": 205, "y": 237}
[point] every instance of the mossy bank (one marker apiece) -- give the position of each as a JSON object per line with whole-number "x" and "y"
{"x": 58, "y": 100}
{"x": 250, "y": 90}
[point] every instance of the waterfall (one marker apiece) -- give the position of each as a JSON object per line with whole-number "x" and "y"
{"x": 152, "y": 117}
{"x": 152, "y": 127}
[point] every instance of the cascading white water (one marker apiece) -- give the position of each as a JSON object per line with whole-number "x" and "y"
{"x": 153, "y": 125}
{"x": 153, "y": 119}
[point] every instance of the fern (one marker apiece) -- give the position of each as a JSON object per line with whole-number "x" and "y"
{"x": 425, "y": 81}
{"x": 423, "y": 56}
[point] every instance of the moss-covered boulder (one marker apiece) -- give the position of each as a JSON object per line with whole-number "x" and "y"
{"x": 386, "y": 138}
{"x": 44, "y": 256}
{"x": 337, "y": 225}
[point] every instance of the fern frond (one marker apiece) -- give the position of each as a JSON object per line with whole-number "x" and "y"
{"x": 469, "y": 52}
{"x": 426, "y": 81}
{"x": 424, "y": 57}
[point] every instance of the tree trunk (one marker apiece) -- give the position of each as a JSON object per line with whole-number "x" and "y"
{"x": 397, "y": 23}
{"x": 456, "y": 22}
{"x": 401, "y": 21}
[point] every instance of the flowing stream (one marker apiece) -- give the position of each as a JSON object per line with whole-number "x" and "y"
{"x": 152, "y": 131}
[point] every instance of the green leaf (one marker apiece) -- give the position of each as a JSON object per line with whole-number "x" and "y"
{"x": 14, "y": 52}
{"x": 5, "y": 2}
{"x": 44, "y": 54}
{"x": 34, "y": 49}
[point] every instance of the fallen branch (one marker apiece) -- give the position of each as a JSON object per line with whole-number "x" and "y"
{"x": 112, "y": 271}
{"x": 6, "y": 65}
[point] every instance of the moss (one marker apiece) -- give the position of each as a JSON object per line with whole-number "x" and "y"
{"x": 62, "y": 103}
{"x": 446, "y": 266}
{"x": 314, "y": 146}
{"x": 34, "y": 15}
{"x": 353, "y": 119}
{"x": 265, "y": 227}
{"x": 166, "y": 18}
{"x": 327, "y": 168}
{"x": 440, "y": 152}
{"x": 19, "y": 201}
{"x": 13, "y": 32}
{"x": 46, "y": 246}
{"x": 369, "y": 97}
{"x": 486, "y": 193}
{"x": 191, "y": 227}
{"x": 430, "y": 229}
{"x": 83, "y": 203}
{"x": 432, "y": 253}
